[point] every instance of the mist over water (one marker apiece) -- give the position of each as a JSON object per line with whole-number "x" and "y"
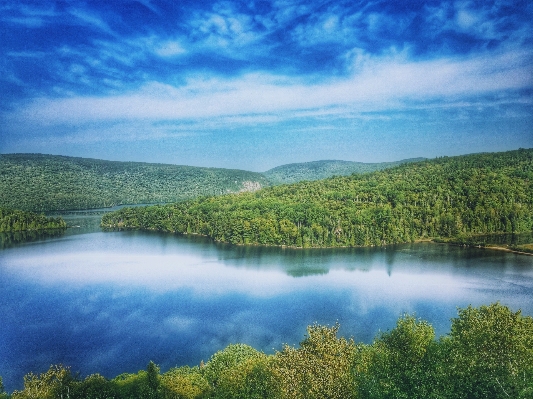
{"x": 110, "y": 302}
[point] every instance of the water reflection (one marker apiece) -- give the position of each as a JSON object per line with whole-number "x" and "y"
{"x": 110, "y": 302}
{"x": 12, "y": 239}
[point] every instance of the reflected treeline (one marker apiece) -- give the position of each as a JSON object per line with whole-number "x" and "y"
{"x": 11, "y": 239}
{"x": 297, "y": 262}
{"x": 502, "y": 239}
{"x": 516, "y": 242}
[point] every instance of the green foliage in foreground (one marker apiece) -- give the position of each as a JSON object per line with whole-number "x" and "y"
{"x": 488, "y": 354}
{"x": 12, "y": 220}
{"x": 317, "y": 170}
{"x": 37, "y": 182}
{"x": 446, "y": 197}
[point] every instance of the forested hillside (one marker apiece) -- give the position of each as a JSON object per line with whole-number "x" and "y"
{"x": 445, "y": 197}
{"x": 14, "y": 220}
{"x": 37, "y": 182}
{"x": 488, "y": 354}
{"x": 317, "y": 170}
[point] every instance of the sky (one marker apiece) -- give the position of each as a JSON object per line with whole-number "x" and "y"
{"x": 256, "y": 84}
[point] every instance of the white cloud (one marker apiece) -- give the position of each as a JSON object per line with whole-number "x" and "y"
{"x": 379, "y": 84}
{"x": 210, "y": 277}
{"x": 89, "y": 19}
{"x": 223, "y": 29}
{"x": 29, "y": 16}
{"x": 170, "y": 49}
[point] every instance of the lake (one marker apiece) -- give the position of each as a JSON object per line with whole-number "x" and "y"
{"x": 110, "y": 302}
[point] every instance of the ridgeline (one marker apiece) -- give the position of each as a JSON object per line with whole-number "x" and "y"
{"x": 317, "y": 170}
{"x": 446, "y": 198}
{"x": 39, "y": 183}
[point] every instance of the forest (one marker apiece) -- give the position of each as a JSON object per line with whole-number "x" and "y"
{"x": 443, "y": 198}
{"x": 487, "y": 354}
{"x": 40, "y": 183}
{"x": 12, "y": 220}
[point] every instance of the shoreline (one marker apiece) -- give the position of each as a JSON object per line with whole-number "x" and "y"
{"x": 509, "y": 250}
{"x": 432, "y": 240}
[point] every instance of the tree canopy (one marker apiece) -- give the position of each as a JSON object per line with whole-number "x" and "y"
{"x": 38, "y": 182}
{"x": 449, "y": 197}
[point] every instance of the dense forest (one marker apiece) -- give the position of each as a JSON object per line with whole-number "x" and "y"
{"x": 36, "y": 182}
{"x": 39, "y": 183}
{"x": 449, "y": 197}
{"x": 317, "y": 170}
{"x": 20, "y": 221}
{"x": 487, "y": 354}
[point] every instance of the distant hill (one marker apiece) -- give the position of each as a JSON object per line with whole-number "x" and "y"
{"x": 37, "y": 182}
{"x": 447, "y": 198}
{"x": 317, "y": 170}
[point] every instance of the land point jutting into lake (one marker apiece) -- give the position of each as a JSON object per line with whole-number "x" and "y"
{"x": 452, "y": 199}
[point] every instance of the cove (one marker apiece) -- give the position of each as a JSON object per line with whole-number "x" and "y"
{"x": 110, "y": 302}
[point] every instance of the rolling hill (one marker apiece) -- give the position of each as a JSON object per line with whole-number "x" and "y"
{"x": 449, "y": 197}
{"x": 317, "y": 170}
{"x": 37, "y": 182}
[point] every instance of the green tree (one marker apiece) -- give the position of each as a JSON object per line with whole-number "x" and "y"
{"x": 94, "y": 386}
{"x": 319, "y": 368}
{"x": 399, "y": 364}
{"x": 225, "y": 359}
{"x": 154, "y": 379}
{"x": 55, "y": 383}
{"x": 184, "y": 383}
{"x": 491, "y": 353}
{"x": 3, "y": 394}
{"x": 253, "y": 378}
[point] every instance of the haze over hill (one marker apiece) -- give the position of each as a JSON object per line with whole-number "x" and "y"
{"x": 317, "y": 170}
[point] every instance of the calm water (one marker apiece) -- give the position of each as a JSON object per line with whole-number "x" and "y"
{"x": 110, "y": 302}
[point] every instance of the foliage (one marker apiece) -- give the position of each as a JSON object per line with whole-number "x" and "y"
{"x": 400, "y": 363}
{"x": 317, "y": 170}
{"x": 54, "y": 383}
{"x": 184, "y": 383}
{"x": 12, "y": 220}
{"x": 226, "y": 359}
{"x": 445, "y": 197}
{"x": 94, "y": 386}
{"x": 37, "y": 182}
{"x": 491, "y": 353}
{"x": 319, "y": 368}
{"x": 488, "y": 354}
{"x": 3, "y": 394}
{"x": 253, "y": 378}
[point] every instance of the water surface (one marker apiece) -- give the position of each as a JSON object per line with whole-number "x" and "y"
{"x": 110, "y": 302}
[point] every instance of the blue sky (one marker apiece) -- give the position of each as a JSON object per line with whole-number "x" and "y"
{"x": 256, "y": 84}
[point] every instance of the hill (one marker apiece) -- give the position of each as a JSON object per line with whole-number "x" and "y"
{"x": 37, "y": 182}
{"x": 445, "y": 197}
{"x": 317, "y": 170}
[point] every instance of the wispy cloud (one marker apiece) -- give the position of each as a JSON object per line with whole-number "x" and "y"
{"x": 228, "y": 65}
{"x": 380, "y": 84}
{"x": 28, "y": 16}
{"x": 91, "y": 19}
